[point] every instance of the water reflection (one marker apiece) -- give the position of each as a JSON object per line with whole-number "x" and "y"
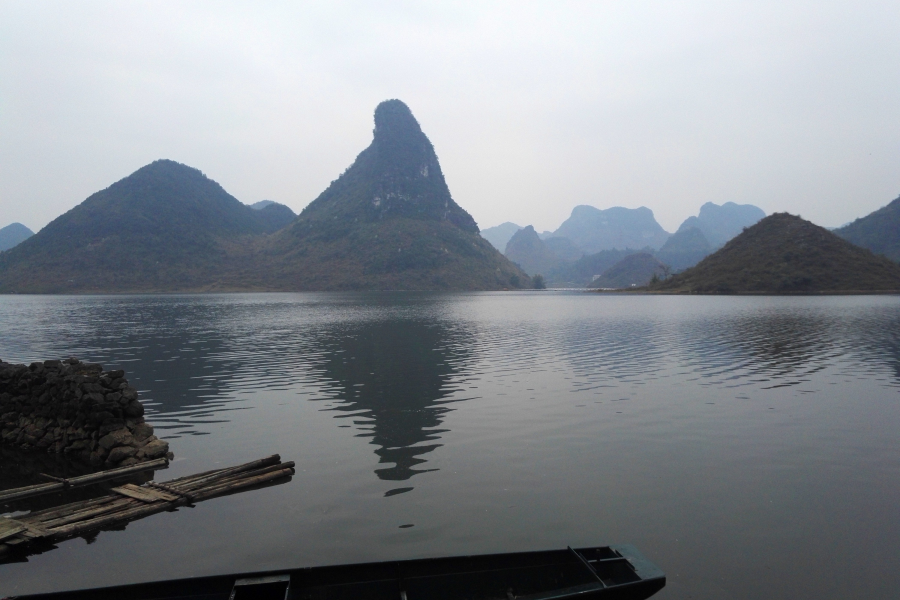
{"x": 393, "y": 380}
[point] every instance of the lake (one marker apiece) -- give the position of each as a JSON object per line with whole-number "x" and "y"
{"x": 746, "y": 445}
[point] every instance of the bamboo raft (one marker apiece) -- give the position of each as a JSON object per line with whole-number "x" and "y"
{"x": 59, "y": 484}
{"x": 130, "y": 502}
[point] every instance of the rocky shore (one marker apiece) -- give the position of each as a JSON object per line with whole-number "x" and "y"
{"x": 78, "y": 409}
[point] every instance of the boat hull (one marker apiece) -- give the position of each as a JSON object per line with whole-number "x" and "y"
{"x": 607, "y": 573}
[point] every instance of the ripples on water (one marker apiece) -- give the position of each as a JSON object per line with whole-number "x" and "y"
{"x": 503, "y": 381}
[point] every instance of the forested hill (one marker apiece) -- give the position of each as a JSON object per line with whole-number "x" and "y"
{"x": 878, "y": 231}
{"x": 786, "y": 254}
{"x": 164, "y": 227}
{"x": 389, "y": 222}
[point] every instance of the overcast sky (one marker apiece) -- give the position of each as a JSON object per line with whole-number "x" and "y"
{"x": 533, "y": 108}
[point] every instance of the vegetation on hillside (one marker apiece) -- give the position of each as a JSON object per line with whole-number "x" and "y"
{"x": 388, "y": 222}
{"x": 635, "y": 270}
{"x": 684, "y": 249}
{"x": 878, "y": 231}
{"x": 531, "y": 253}
{"x": 786, "y": 254}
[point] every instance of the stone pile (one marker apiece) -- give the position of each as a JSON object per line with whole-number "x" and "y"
{"x": 78, "y": 409}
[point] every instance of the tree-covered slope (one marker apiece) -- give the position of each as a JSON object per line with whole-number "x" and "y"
{"x": 634, "y": 270}
{"x": 388, "y": 222}
{"x": 684, "y": 249}
{"x": 878, "y": 231}
{"x": 273, "y": 215}
{"x": 531, "y": 253}
{"x": 786, "y": 254}
{"x": 164, "y": 227}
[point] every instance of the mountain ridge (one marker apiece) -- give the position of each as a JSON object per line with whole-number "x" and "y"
{"x": 783, "y": 253}
{"x": 879, "y": 231}
{"x": 387, "y": 222}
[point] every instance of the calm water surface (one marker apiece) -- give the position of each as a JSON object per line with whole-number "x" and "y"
{"x": 748, "y": 446}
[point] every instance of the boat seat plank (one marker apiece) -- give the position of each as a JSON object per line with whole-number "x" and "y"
{"x": 144, "y": 494}
{"x": 10, "y": 527}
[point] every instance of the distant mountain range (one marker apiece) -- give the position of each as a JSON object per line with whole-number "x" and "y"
{"x": 13, "y": 235}
{"x": 500, "y": 235}
{"x": 786, "y": 254}
{"x": 593, "y": 230}
{"x": 388, "y": 222}
{"x": 718, "y": 224}
{"x": 565, "y": 260}
{"x": 530, "y": 252}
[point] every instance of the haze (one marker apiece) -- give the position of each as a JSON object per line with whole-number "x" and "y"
{"x": 532, "y": 108}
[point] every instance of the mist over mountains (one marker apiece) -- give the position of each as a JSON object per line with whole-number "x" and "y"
{"x": 388, "y": 222}
{"x": 577, "y": 254}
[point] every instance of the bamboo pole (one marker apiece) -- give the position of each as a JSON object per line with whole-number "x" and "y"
{"x": 66, "y": 509}
{"x": 46, "y": 488}
{"x": 219, "y": 473}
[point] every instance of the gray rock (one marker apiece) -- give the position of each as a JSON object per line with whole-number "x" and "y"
{"x": 110, "y": 426}
{"x": 142, "y": 431}
{"x": 155, "y": 449}
{"x": 121, "y": 453}
{"x": 134, "y": 409}
{"x": 120, "y": 437}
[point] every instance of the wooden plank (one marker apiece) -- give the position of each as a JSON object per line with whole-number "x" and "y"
{"x": 33, "y": 532}
{"x": 144, "y": 494}
{"x": 10, "y": 527}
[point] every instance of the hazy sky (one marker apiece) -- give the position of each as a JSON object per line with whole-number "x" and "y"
{"x": 533, "y": 108}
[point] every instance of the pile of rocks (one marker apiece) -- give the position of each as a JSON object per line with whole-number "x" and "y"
{"x": 78, "y": 409}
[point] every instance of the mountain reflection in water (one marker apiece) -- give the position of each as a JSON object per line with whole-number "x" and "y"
{"x": 726, "y": 437}
{"x": 392, "y": 379}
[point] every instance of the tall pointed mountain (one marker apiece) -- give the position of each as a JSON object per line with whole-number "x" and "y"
{"x": 878, "y": 231}
{"x": 165, "y": 227}
{"x": 786, "y": 254}
{"x": 388, "y": 222}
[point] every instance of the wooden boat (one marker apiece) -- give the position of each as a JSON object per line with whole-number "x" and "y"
{"x": 606, "y": 573}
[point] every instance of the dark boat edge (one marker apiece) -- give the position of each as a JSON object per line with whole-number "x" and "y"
{"x": 647, "y": 578}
